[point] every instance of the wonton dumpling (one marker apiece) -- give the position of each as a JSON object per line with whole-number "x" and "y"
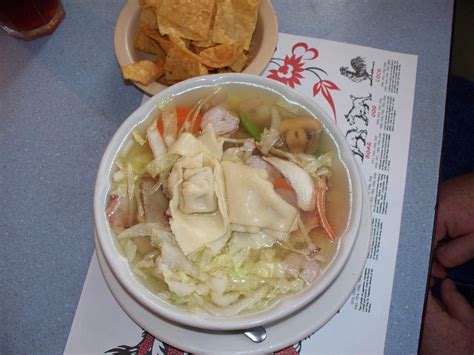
{"x": 188, "y": 145}
{"x": 253, "y": 203}
{"x": 198, "y": 191}
{"x": 211, "y": 142}
{"x": 194, "y": 193}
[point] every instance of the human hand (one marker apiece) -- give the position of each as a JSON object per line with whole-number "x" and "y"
{"x": 455, "y": 220}
{"x": 448, "y": 327}
{"x": 449, "y": 322}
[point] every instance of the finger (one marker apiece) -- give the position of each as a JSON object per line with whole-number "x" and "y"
{"x": 456, "y": 252}
{"x": 442, "y": 212}
{"x": 440, "y": 224}
{"x": 429, "y": 336}
{"x": 455, "y": 214}
{"x": 441, "y": 229}
{"x": 432, "y": 305}
{"x": 437, "y": 270}
{"x": 456, "y": 305}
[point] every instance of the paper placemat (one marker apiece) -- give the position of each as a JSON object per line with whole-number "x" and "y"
{"x": 369, "y": 93}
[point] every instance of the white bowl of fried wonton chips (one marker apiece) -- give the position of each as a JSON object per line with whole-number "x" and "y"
{"x": 286, "y": 306}
{"x": 140, "y": 39}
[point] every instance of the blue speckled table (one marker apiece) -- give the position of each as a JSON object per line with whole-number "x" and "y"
{"x": 61, "y": 99}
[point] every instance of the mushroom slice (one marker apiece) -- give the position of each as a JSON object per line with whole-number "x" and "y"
{"x": 296, "y": 140}
{"x": 299, "y": 179}
{"x": 312, "y": 128}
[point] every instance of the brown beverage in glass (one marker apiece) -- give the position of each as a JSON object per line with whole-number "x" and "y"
{"x": 30, "y": 19}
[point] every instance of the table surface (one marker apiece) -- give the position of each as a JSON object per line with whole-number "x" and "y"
{"x": 62, "y": 97}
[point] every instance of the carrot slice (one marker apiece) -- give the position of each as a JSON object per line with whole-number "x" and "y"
{"x": 321, "y": 206}
{"x": 181, "y": 114}
{"x": 280, "y": 183}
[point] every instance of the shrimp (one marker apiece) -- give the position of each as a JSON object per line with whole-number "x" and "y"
{"x": 299, "y": 266}
{"x": 222, "y": 121}
{"x": 117, "y": 212}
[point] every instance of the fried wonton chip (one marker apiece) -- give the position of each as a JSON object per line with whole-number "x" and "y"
{"x": 204, "y": 44}
{"x": 164, "y": 43}
{"x": 224, "y": 70}
{"x": 146, "y": 44}
{"x": 191, "y": 18}
{"x": 166, "y": 27}
{"x": 148, "y": 19}
{"x": 195, "y": 49}
{"x": 182, "y": 64}
{"x": 160, "y": 65}
{"x": 149, "y": 3}
{"x": 176, "y": 39}
{"x": 240, "y": 63}
{"x": 207, "y": 43}
{"x": 143, "y": 71}
{"x": 192, "y": 38}
{"x": 235, "y": 21}
{"x": 222, "y": 55}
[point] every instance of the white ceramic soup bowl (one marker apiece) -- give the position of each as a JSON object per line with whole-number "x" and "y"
{"x": 287, "y": 305}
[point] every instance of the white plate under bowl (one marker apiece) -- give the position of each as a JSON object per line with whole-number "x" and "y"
{"x": 279, "y": 334}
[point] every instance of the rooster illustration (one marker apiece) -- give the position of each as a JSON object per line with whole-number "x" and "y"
{"x": 360, "y": 72}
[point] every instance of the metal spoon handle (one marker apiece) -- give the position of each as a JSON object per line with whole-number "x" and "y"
{"x": 257, "y": 334}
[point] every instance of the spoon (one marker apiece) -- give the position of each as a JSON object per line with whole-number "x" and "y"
{"x": 257, "y": 334}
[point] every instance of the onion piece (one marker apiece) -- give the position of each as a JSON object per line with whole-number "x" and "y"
{"x": 224, "y": 300}
{"x": 270, "y": 136}
{"x": 196, "y": 110}
{"x": 156, "y": 231}
{"x": 138, "y": 138}
{"x": 131, "y": 193}
{"x": 155, "y": 203}
{"x": 268, "y": 139}
{"x": 299, "y": 179}
{"x": 237, "y": 307}
{"x": 155, "y": 141}
{"x": 140, "y": 209}
{"x": 170, "y": 124}
{"x": 250, "y": 104}
{"x": 276, "y": 120}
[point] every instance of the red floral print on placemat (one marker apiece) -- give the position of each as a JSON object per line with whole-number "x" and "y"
{"x": 145, "y": 347}
{"x": 291, "y": 70}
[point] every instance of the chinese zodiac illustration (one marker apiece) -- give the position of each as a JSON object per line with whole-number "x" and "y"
{"x": 359, "y": 72}
{"x": 359, "y": 110}
{"x": 355, "y": 137}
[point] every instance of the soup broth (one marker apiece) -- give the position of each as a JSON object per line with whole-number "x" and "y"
{"x": 233, "y": 201}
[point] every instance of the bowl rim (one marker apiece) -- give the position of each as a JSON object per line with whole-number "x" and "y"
{"x": 124, "y": 56}
{"x": 302, "y": 323}
{"x": 118, "y": 263}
